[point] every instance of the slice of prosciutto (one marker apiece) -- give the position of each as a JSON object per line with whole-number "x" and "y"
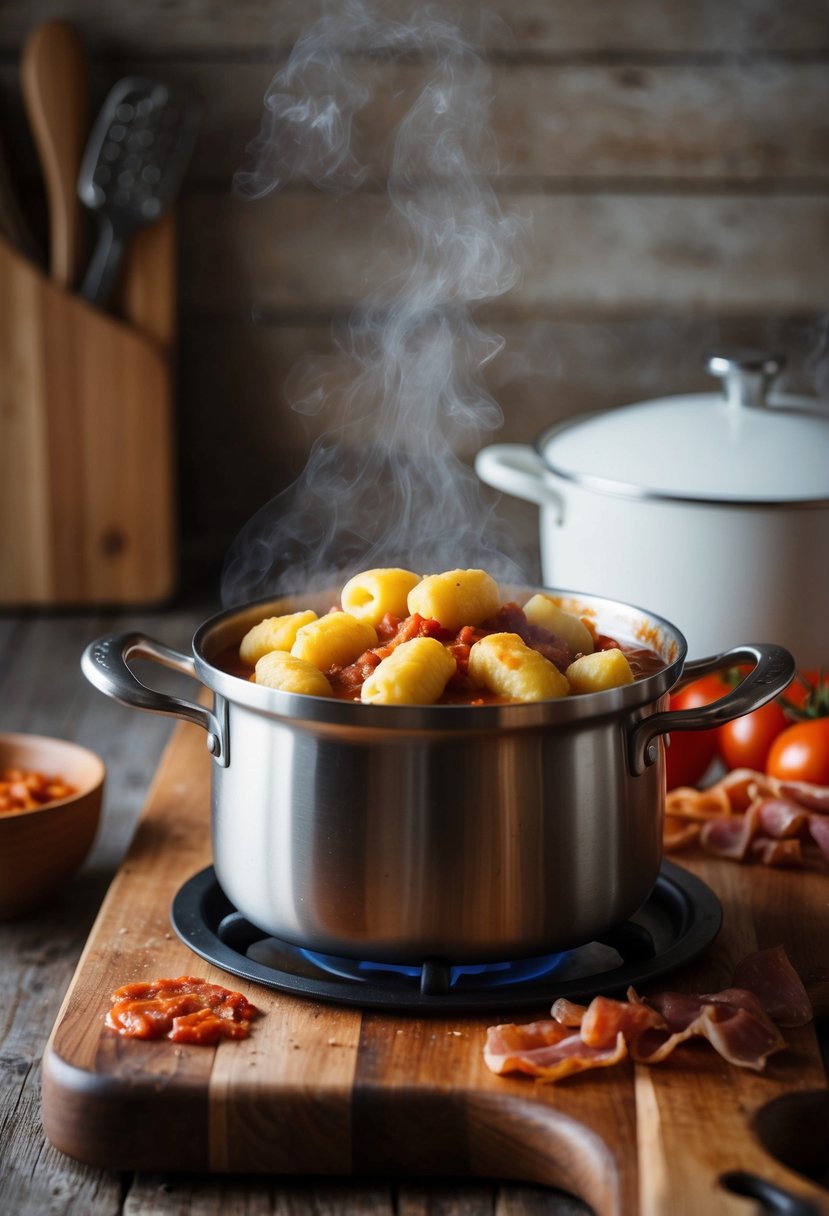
{"x": 813, "y": 797}
{"x": 819, "y": 832}
{"x": 771, "y": 977}
{"x": 776, "y": 852}
{"x": 741, "y": 1023}
{"x": 546, "y": 1050}
{"x": 733, "y": 1021}
{"x": 749, "y": 816}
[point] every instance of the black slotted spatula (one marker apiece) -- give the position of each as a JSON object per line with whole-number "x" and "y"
{"x": 132, "y": 168}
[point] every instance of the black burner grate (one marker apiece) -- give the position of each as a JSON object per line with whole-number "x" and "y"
{"x": 681, "y": 917}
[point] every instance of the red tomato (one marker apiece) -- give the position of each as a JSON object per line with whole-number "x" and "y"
{"x": 691, "y": 752}
{"x": 808, "y": 691}
{"x": 801, "y": 753}
{"x": 745, "y": 742}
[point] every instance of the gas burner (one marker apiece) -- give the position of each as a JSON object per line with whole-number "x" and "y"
{"x": 680, "y": 918}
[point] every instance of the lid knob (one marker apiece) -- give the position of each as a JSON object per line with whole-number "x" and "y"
{"x": 747, "y": 376}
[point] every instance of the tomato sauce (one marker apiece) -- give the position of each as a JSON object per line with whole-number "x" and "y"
{"x": 347, "y": 682}
{"x": 186, "y": 1010}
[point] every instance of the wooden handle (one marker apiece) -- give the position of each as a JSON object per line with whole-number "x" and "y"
{"x": 146, "y": 296}
{"x": 86, "y": 425}
{"x": 54, "y": 80}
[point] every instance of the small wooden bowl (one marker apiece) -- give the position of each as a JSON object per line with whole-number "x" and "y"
{"x": 40, "y": 849}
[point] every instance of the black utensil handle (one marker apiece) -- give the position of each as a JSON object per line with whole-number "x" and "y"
{"x": 104, "y": 265}
{"x": 772, "y": 1198}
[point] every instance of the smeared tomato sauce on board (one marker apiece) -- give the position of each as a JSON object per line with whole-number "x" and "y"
{"x": 186, "y": 1010}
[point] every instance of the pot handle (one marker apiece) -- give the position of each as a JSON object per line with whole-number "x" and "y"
{"x": 774, "y": 670}
{"x": 105, "y": 663}
{"x": 517, "y": 469}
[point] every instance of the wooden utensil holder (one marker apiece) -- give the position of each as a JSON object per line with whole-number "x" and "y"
{"x": 87, "y": 503}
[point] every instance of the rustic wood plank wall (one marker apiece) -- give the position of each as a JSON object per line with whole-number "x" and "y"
{"x": 671, "y": 156}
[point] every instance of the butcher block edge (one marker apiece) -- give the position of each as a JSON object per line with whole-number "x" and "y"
{"x": 323, "y": 1089}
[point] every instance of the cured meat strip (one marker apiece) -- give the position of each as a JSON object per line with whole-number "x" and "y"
{"x": 730, "y": 836}
{"x": 605, "y": 1019}
{"x": 819, "y": 832}
{"x": 567, "y": 1012}
{"x": 770, "y": 827}
{"x": 813, "y": 797}
{"x": 684, "y": 802}
{"x": 677, "y": 834}
{"x": 776, "y": 852}
{"x": 779, "y": 818}
{"x": 546, "y": 1050}
{"x": 740, "y": 1022}
{"x": 733, "y": 1021}
{"x": 771, "y": 977}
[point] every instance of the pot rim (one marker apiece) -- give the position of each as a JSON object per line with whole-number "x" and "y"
{"x": 624, "y": 489}
{"x": 228, "y": 626}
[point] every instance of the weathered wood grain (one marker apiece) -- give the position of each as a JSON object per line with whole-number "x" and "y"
{"x": 745, "y": 122}
{"x": 565, "y": 27}
{"x": 604, "y": 256}
{"x": 234, "y": 394}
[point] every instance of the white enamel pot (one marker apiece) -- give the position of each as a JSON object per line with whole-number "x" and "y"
{"x": 711, "y": 508}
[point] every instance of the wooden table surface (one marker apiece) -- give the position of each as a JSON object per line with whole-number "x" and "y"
{"x": 42, "y": 691}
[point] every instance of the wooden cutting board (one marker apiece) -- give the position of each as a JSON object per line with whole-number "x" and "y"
{"x": 324, "y": 1089}
{"x": 86, "y": 435}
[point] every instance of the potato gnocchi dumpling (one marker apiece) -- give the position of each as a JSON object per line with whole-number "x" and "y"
{"x": 541, "y": 610}
{"x": 415, "y": 673}
{"x": 456, "y": 598}
{"x": 401, "y": 639}
{"x": 333, "y": 640}
{"x": 370, "y": 595}
{"x": 505, "y": 665}
{"x": 274, "y": 633}
{"x": 599, "y": 671}
{"x": 278, "y": 669}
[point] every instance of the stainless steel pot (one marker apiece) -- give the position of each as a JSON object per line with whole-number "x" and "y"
{"x": 466, "y": 833}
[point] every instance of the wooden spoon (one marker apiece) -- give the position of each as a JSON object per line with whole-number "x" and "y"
{"x": 54, "y": 80}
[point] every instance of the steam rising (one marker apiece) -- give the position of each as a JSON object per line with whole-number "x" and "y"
{"x": 403, "y": 390}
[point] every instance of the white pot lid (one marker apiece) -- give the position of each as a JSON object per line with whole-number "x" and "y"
{"x": 741, "y": 447}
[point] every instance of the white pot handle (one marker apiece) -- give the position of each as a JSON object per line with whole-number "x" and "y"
{"x": 517, "y": 469}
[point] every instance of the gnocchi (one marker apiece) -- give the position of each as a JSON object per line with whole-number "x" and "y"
{"x": 456, "y": 598}
{"x": 372, "y": 594}
{"x": 415, "y": 673}
{"x": 397, "y": 638}
{"x": 274, "y": 633}
{"x": 506, "y": 665}
{"x": 598, "y": 671}
{"x": 333, "y": 640}
{"x": 278, "y": 669}
{"x": 543, "y": 611}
